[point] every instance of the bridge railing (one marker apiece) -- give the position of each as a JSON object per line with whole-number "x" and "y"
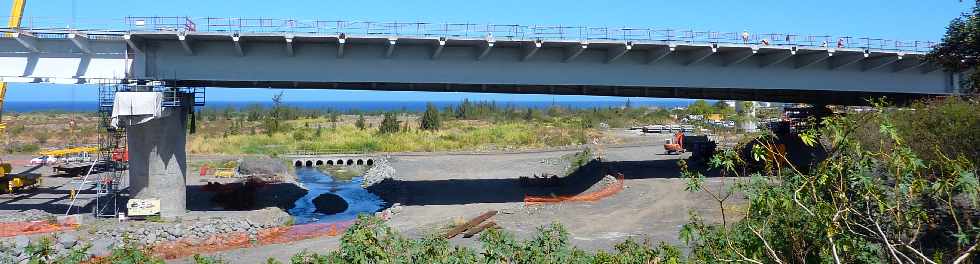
{"x": 474, "y": 31}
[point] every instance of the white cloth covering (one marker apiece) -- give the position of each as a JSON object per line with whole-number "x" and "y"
{"x": 134, "y": 108}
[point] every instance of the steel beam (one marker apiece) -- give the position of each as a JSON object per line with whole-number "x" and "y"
{"x": 875, "y": 63}
{"x": 738, "y": 56}
{"x": 659, "y": 52}
{"x": 438, "y": 49}
{"x": 776, "y": 57}
{"x": 618, "y": 52}
{"x": 572, "y": 52}
{"x": 341, "y": 42}
{"x": 289, "y": 46}
{"x": 485, "y": 50}
{"x": 80, "y": 41}
{"x": 391, "y": 47}
{"x": 237, "y": 40}
{"x": 812, "y": 58}
{"x": 132, "y": 43}
{"x": 532, "y": 49}
{"x": 908, "y": 63}
{"x": 837, "y": 62}
{"x": 701, "y": 54}
{"x": 185, "y": 43}
{"x": 27, "y": 40}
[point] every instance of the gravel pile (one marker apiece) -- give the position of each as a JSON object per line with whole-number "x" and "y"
{"x": 381, "y": 170}
{"x": 29, "y": 215}
{"x": 15, "y": 250}
{"x": 152, "y": 233}
{"x": 266, "y": 168}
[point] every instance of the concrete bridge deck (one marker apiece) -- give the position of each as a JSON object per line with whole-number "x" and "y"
{"x": 480, "y": 58}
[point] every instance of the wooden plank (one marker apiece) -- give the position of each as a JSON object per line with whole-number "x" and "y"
{"x": 476, "y": 230}
{"x": 475, "y": 221}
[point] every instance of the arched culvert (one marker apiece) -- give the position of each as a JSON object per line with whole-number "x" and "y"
{"x": 340, "y": 162}
{"x": 370, "y": 162}
{"x": 350, "y": 162}
{"x": 309, "y": 163}
{"x": 329, "y": 162}
{"x": 298, "y": 163}
{"x": 360, "y": 162}
{"x": 319, "y": 163}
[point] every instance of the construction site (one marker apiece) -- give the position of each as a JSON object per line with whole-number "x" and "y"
{"x": 154, "y": 170}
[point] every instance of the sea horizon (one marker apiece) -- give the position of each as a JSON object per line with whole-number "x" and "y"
{"x": 381, "y": 105}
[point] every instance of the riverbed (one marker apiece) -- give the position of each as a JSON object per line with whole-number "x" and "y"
{"x": 318, "y": 182}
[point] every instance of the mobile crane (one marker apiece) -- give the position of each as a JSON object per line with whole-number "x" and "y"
{"x": 16, "y": 13}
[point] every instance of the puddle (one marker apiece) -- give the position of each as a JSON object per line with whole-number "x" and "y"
{"x": 359, "y": 200}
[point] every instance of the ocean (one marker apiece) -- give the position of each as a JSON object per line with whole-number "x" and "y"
{"x": 21, "y": 107}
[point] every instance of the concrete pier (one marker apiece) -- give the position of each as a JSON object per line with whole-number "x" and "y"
{"x": 158, "y": 161}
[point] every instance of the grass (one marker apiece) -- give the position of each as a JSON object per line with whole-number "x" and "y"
{"x": 457, "y": 135}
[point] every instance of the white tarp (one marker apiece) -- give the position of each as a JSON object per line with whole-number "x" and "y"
{"x": 134, "y": 108}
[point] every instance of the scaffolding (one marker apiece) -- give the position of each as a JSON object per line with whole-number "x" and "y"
{"x": 111, "y": 166}
{"x": 112, "y": 170}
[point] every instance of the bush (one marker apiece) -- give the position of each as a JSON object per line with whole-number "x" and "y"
{"x": 872, "y": 202}
{"x": 389, "y": 125}
{"x": 370, "y": 240}
{"x": 430, "y": 119}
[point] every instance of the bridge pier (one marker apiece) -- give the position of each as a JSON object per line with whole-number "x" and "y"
{"x": 158, "y": 160}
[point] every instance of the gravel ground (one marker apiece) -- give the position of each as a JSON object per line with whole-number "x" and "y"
{"x": 427, "y": 192}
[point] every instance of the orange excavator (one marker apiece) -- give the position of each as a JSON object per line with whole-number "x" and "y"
{"x": 676, "y": 146}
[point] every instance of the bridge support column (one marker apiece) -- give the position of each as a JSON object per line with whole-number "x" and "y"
{"x": 746, "y": 113}
{"x": 158, "y": 161}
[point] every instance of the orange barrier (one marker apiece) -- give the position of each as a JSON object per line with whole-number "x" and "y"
{"x": 35, "y": 227}
{"x": 607, "y": 191}
{"x": 276, "y": 235}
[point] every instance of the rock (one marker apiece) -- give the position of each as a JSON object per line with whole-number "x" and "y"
{"x": 329, "y": 203}
{"x": 101, "y": 247}
{"x": 21, "y": 242}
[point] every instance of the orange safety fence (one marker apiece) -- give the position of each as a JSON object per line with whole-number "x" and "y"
{"x": 276, "y": 235}
{"x": 608, "y": 190}
{"x": 36, "y": 227}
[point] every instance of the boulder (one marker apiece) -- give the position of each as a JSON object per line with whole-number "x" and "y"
{"x": 329, "y": 203}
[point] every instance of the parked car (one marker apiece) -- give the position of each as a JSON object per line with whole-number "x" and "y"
{"x": 43, "y": 160}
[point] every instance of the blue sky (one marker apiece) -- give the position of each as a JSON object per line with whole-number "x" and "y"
{"x": 891, "y": 19}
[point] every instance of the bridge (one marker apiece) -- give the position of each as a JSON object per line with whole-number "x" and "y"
{"x": 635, "y": 62}
{"x": 160, "y": 57}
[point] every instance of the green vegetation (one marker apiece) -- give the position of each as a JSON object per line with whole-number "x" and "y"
{"x": 389, "y": 125}
{"x": 872, "y": 202}
{"x": 466, "y": 126}
{"x": 960, "y": 48}
{"x": 430, "y": 119}
{"x": 370, "y": 240}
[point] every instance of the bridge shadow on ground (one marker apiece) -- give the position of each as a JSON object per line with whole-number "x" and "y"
{"x": 243, "y": 196}
{"x": 49, "y": 199}
{"x": 511, "y": 190}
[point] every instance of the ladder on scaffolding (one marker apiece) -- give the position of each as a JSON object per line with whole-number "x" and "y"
{"x": 106, "y": 172}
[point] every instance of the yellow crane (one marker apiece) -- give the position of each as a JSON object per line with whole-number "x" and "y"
{"x": 16, "y": 14}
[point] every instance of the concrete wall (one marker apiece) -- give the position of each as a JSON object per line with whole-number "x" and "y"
{"x": 158, "y": 161}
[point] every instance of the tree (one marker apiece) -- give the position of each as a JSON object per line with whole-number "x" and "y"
{"x": 389, "y": 124}
{"x": 430, "y": 119}
{"x": 960, "y": 49}
{"x": 272, "y": 121}
{"x": 699, "y": 107}
{"x": 360, "y": 123}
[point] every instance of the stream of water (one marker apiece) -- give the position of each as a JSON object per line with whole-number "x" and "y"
{"x": 359, "y": 200}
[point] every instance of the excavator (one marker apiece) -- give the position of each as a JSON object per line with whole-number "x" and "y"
{"x": 701, "y": 147}
{"x": 11, "y": 182}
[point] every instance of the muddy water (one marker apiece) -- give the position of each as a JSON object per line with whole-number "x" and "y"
{"x": 359, "y": 200}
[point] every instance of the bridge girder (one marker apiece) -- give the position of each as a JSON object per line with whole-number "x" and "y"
{"x": 506, "y": 65}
